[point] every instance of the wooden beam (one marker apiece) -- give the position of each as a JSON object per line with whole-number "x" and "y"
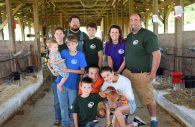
{"x": 6, "y": 21}
{"x": 178, "y": 45}
{"x": 155, "y": 12}
{"x": 36, "y": 48}
{"x": 10, "y": 26}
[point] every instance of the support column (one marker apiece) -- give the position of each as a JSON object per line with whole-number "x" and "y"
{"x": 155, "y": 12}
{"x": 36, "y": 48}
{"x": 112, "y": 16}
{"x": 1, "y": 31}
{"x": 61, "y": 20}
{"x": 166, "y": 21}
{"x": 122, "y": 17}
{"x": 131, "y": 9}
{"x": 147, "y": 17}
{"x": 10, "y": 26}
{"x": 22, "y": 26}
{"x": 178, "y": 45}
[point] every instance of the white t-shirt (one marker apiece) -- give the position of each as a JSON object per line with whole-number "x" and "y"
{"x": 123, "y": 85}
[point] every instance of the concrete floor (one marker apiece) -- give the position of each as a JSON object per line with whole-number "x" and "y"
{"x": 38, "y": 112}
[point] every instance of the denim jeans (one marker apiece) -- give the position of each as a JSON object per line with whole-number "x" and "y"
{"x": 57, "y": 110}
{"x": 66, "y": 98}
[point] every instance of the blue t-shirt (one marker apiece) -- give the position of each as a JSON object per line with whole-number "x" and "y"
{"x": 116, "y": 52}
{"x": 75, "y": 63}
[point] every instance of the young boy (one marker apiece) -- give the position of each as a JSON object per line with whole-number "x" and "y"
{"x": 56, "y": 62}
{"x": 122, "y": 85}
{"x": 85, "y": 105}
{"x": 93, "y": 47}
{"x": 75, "y": 62}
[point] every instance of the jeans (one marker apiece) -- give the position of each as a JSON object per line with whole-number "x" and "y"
{"x": 66, "y": 98}
{"x": 57, "y": 110}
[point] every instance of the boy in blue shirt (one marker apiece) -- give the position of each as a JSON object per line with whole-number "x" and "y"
{"x": 76, "y": 63}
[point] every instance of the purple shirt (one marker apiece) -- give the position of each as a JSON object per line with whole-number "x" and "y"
{"x": 116, "y": 52}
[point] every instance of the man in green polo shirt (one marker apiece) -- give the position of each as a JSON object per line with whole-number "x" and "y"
{"x": 142, "y": 58}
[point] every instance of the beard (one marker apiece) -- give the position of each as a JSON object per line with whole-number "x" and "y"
{"x": 75, "y": 29}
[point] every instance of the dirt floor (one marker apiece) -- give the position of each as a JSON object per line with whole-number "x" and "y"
{"x": 38, "y": 112}
{"x": 177, "y": 94}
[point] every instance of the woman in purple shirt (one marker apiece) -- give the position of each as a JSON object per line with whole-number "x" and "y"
{"x": 114, "y": 49}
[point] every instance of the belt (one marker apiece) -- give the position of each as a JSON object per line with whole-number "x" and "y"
{"x": 138, "y": 71}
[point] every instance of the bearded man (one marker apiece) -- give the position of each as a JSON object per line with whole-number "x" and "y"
{"x": 74, "y": 28}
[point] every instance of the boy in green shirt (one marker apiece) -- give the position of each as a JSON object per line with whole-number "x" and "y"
{"x": 93, "y": 48}
{"x": 85, "y": 105}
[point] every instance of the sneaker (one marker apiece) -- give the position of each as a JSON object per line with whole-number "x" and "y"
{"x": 139, "y": 121}
{"x": 57, "y": 123}
{"x": 154, "y": 123}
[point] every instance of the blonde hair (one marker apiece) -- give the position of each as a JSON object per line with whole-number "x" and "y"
{"x": 71, "y": 38}
{"x": 50, "y": 42}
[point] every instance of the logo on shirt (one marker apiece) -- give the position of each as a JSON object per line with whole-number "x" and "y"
{"x": 92, "y": 46}
{"x": 91, "y": 104}
{"x": 74, "y": 61}
{"x": 121, "y": 51}
{"x": 135, "y": 42}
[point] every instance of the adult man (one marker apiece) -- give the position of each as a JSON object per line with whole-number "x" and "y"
{"x": 93, "y": 73}
{"x": 142, "y": 58}
{"x": 74, "y": 28}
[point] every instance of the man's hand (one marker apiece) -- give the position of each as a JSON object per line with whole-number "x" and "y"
{"x": 151, "y": 76}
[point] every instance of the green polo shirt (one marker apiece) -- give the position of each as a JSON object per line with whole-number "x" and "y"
{"x": 138, "y": 50}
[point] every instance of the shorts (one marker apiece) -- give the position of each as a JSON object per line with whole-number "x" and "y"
{"x": 132, "y": 106}
{"x": 142, "y": 85}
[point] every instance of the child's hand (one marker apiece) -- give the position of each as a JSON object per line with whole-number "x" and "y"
{"x": 62, "y": 60}
{"x": 60, "y": 87}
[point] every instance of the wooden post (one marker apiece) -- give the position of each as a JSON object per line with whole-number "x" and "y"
{"x": 122, "y": 17}
{"x": 178, "y": 45}
{"x": 147, "y": 17}
{"x": 112, "y": 16}
{"x": 1, "y": 31}
{"x": 11, "y": 33}
{"x": 36, "y": 48}
{"x": 22, "y": 26}
{"x": 61, "y": 19}
{"x": 10, "y": 26}
{"x": 155, "y": 12}
{"x": 166, "y": 15}
{"x": 131, "y": 9}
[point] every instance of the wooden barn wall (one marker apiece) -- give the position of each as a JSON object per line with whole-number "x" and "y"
{"x": 8, "y": 66}
{"x": 188, "y": 58}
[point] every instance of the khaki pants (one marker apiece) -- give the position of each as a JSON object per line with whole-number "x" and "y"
{"x": 142, "y": 85}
